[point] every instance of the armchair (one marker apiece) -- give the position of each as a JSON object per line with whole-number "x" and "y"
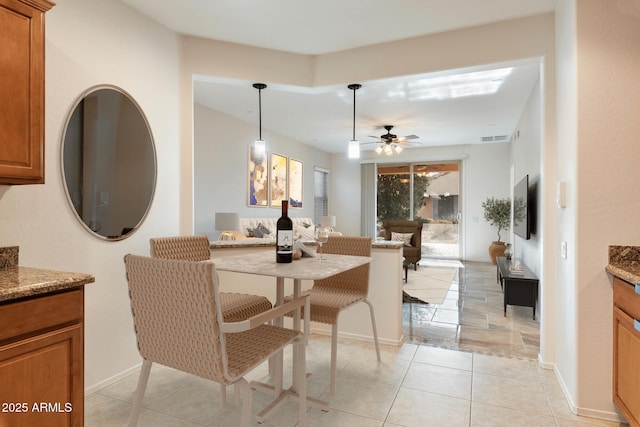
{"x": 413, "y": 252}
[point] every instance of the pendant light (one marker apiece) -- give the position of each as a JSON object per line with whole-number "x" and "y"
{"x": 354, "y": 145}
{"x": 260, "y": 146}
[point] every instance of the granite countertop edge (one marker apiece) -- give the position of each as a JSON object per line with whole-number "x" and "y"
{"x": 626, "y": 273}
{"x": 257, "y": 243}
{"x": 624, "y": 263}
{"x": 19, "y": 282}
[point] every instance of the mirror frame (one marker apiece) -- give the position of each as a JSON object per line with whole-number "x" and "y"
{"x": 71, "y": 112}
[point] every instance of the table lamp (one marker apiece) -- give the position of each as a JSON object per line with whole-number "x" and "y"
{"x": 328, "y": 222}
{"x": 227, "y": 223}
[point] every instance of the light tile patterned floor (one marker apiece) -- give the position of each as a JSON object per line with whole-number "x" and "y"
{"x": 421, "y": 383}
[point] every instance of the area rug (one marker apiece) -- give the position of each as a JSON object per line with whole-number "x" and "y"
{"x": 431, "y": 262}
{"x": 428, "y": 285}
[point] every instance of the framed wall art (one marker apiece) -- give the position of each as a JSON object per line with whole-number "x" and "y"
{"x": 258, "y": 180}
{"x": 295, "y": 183}
{"x": 277, "y": 179}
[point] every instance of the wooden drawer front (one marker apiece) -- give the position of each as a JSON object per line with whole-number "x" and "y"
{"x": 27, "y": 317}
{"x": 626, "y": 369}
{"x": 625, "y": 297}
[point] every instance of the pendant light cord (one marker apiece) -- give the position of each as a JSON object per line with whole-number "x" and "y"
{"x": 260, "y": 113}
{"x": 260, "y": 86}
{"x": 354, "y": 115}
{"x": 354, "y": 87}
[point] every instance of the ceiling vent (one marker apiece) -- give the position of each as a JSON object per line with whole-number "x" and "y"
{"x": 496, "y": 138}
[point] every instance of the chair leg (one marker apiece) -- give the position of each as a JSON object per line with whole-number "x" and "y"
{"x": 301, "y": 387}
{"x": 375, "y": 330}
{"x": 223, "y": 395}
{"x": 139, "y": 395}
{"x": 247, "y": 397}
{"x": 236, "y": 394}
{"x": 334, "y": 357}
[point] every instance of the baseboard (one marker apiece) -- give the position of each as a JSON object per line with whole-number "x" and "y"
{"x": 584, "y": 412}
{"x": 112, "y": 380}
{"x": 358, "y": 337}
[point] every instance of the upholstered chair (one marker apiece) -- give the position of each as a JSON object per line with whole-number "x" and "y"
{"x": 178, "y": 323}
{"x": 332, "y": 295}
{"x": 412, "y": 250}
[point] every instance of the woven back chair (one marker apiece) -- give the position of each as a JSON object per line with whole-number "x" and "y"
{"x": 178, "y": 323}
{"x": 332, "y": 295}
{"x": 235, "y": 306}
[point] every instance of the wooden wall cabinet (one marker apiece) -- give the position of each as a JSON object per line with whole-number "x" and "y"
{"x": 42, "y": 361}
{"x": 626, "y": 349}
{"x": 22, "y": 91}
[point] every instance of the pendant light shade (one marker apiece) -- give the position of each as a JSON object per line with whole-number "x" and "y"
{"x": 354, "y": 145}
{"x": 260, "y": 146}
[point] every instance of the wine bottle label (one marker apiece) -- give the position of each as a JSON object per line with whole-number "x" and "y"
{"x": 285, "y": 241}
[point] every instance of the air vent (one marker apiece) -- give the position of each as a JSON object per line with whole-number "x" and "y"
{"x": 496, "y": 138}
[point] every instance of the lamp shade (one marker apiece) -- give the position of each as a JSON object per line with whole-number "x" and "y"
{"x": 227, "y": 221}
{"x": 354, "y": 149}
{"x": 328, "y": 221}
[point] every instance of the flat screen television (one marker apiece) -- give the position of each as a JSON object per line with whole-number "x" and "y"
{"x": 521, "y": 214}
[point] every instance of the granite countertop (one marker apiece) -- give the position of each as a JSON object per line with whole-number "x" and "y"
{"x": 386, "y": 244}
{"x": 256, "y": 243}
{"x": 624, "y": 262}
{"x": 20, "y": 282}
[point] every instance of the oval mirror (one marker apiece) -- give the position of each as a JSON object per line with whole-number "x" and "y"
{"x": 108, "y": 162}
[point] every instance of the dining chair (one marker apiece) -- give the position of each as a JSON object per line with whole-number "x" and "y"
{"x": 178, "y": 323}
{"x": 332, "y": 295}
{"x": 234, "y": 306}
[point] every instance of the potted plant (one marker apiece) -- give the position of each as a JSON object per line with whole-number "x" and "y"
{"x": 498, "y": 213}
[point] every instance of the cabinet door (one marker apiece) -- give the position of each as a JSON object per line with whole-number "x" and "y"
{"x": 22, "y": 91}
{"x": 626, "y": 369}
{"x": 41, "y": 379}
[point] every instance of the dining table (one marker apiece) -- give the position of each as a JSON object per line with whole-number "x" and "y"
{"x": 305, "y": 268}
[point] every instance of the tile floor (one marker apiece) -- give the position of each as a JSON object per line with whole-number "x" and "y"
{"x": 451, "y": 371}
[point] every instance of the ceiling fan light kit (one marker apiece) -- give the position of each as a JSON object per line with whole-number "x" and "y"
{"x": 390, "y": 143}
{"x": 260, "y": 146}
{"x": 354, "y": 145}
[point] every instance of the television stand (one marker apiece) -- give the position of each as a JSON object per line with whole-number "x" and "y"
{"x": 519, "y": 288}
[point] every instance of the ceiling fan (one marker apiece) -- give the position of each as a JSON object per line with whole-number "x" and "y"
{"x": 391, "y": 142}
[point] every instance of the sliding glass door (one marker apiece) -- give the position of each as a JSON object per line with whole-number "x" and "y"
{"x": 427, "y": 192}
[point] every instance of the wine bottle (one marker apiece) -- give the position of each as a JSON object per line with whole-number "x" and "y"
{"x": 284, "y": 235}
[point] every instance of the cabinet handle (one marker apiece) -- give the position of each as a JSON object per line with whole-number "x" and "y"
{"x": 636, "y": 324}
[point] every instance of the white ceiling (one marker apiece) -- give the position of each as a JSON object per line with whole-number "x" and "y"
{"x": 323, "y": 116}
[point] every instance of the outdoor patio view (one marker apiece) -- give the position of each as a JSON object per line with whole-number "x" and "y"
{"x": 423, "y": 192}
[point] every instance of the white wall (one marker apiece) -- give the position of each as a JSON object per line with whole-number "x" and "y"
{"x": 598, "y": 110}
{"x": 525, "y": 158}
{"x": 90, "y": 43}
{"x": 221, "y": 145}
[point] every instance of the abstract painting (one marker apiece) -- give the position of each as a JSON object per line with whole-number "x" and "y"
{"x": 277, "y": 179}
{"x": 295, "y": 183}
{"x": 258, "y": 178}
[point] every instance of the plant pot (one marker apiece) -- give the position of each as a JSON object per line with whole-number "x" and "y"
{"x": 496, "y": 249}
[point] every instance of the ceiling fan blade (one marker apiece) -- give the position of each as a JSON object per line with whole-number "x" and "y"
{"x": 375, "y": 137}
{"x": 408, "y": 137}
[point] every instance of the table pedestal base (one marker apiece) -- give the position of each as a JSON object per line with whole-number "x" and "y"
{"x": 284, "y": 396}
